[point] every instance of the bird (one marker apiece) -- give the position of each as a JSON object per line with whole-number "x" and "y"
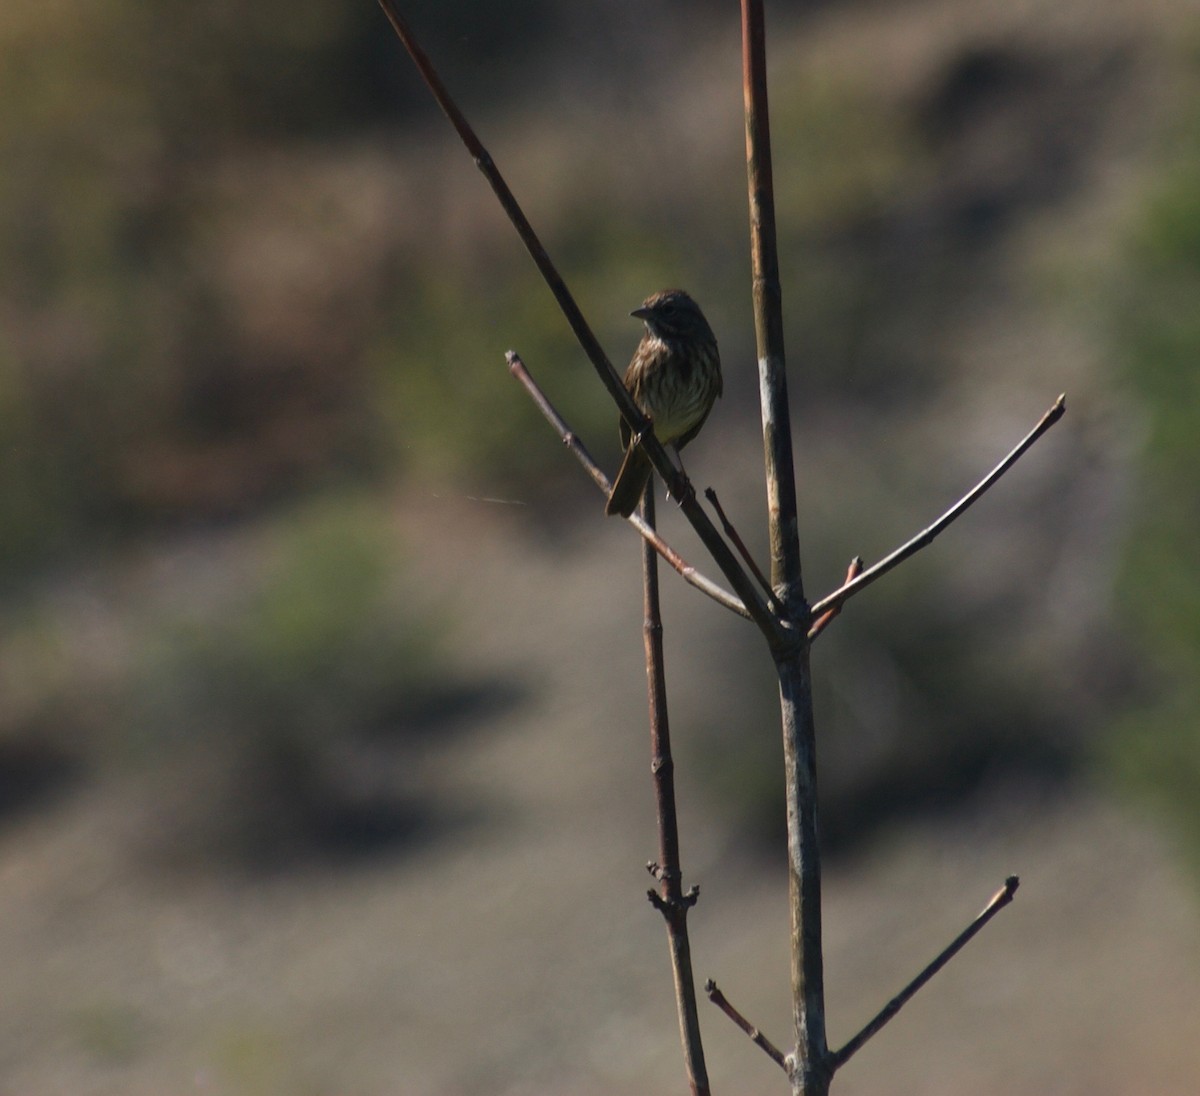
{"x": 674, "y": 377}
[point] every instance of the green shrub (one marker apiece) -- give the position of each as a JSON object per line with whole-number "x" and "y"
{"x": 1155, "y": 745}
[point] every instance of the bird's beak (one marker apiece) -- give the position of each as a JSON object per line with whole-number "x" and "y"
{"x": 642, "y": 313}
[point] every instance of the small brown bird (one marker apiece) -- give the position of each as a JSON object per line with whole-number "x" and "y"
{"x": 674, "y": 377}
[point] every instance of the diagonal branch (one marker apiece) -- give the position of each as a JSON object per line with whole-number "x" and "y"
{"x": 778, "y": 634}
{"x": 732, "y": 533}
{"x": 999, "y": 900}
{"x": 571, "y": 440}
{"x": 926, "y": 536}
{"x": 756, "y": 1036}
{"x": 485, "y": 163}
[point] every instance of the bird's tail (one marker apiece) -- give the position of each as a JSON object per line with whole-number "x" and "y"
{"x": 630, "y": 483}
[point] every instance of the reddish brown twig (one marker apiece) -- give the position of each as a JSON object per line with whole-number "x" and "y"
{"x": 824, "y": 620}
{"x": 926, "y": 536}
{"x": 669, "y": 900}
{"x": 572, "y": 441}
{"x": 756, "y": 1036}
{"x": 999, "y": 900}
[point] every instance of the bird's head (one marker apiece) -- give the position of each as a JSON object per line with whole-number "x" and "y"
{"x": 671, "y": 314}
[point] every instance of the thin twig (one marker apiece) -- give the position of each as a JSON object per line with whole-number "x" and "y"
{"x": 926, "y": 536}
{"x": 571, "y": 440}
{"x": 779, "y": 637}
{"x": 485, "y": 163}
{"x": 669, "y": 900}
{"x": 756, "y": 1036}
{"x": 743, "y": 551}
{"x": 999, "y": 900}
{"x": 826, "y": 618}
{"x": 518, "y": 368}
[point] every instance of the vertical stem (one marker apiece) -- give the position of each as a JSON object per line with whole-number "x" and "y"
{"x": 670, "y": 900}
{"x": 810, "y": 1066}
{"x": 811, "y": 1070}
{"x": 768, "y": 313}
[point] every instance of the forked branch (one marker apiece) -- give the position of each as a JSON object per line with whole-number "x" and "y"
{"x": 826, "y": 618}
{"x": 777, "y": 634}
{"x": 781, "y": 614}
{"x": 572, "y": 441}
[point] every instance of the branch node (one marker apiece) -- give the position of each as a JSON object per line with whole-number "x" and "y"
{"x": 666, "y": 875}
{"x": 673, "y": 908}
{"x": 570, "y": 439}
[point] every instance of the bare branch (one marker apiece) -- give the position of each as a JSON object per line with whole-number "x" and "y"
{"x": 743, "y": 551}
{"x": 571, "y": 440}
{"x": 783, "y": 616}
{"x": 670, "y": 900}
{"x": 779, "y": 636}
{"x": 756, "y": 1036}
{"x": 768, "y": 310}
{"x": 926, "y": 536}
{"x": 809, "y": 1074}
{"x": 485, "y": 163}
{"x": 999, "y": 900}
{"x": 826, "y": 618}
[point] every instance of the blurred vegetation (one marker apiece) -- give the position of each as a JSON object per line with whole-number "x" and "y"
{"x": 1155, "y": 745}
{"x": 283, "y": 680}
{"x": 316, "y": 642}
{"x": 243, "y": 295}
{"x": 123, "y": 377}
{"x": 191, "y": 298}
{"x": 303, "y": 692}
{"x": 222, "y": 281}
{"x": 186, "y": 303}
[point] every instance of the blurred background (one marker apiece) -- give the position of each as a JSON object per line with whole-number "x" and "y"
{"x": 323, "y": 764}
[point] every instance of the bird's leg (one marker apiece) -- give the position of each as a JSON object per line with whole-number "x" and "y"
{"x": 679, "y": 465}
